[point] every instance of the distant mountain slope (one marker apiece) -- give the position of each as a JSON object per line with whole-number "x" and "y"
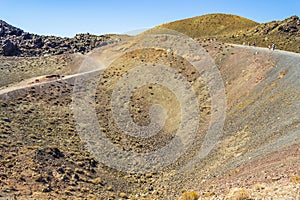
{"x": 285, "y": 34}
{"x": 234, "y": 29}
{"x": 211, "y": 25}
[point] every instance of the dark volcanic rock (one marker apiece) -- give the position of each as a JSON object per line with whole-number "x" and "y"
{"x": 27, "y": 36}
{"x": 9, "y": 48}
{"x": 291, "y": 25}
{"x": 38, "y": 43}
{"x": 14, "y": 41}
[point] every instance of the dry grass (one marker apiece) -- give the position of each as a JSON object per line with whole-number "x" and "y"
{"x": 295, "y": 179}
{"x": 211, "y": 25}
{"x": 235, "y": 29}
{"x": 191, "y": 195}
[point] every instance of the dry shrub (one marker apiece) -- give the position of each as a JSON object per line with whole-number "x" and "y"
{"x": 191, "y": 195}
{"x": 238, "y": 194}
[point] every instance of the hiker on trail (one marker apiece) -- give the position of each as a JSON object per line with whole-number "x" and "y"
{"x": 244, "y": 43}
{"x": 273, "y": 47}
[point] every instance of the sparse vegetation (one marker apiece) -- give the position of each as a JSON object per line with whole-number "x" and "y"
{"x": 191, "y": 195}
{"x": 237, "y": 30}
{"x": 43, "y": 157}
{"x": 238, "y": 194}
{"x": 210, "y": 26}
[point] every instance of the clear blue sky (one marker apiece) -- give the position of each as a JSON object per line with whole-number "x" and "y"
{"x": 68, "y": 17}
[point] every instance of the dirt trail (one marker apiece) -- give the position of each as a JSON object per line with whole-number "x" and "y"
{"x": 6, "y": 91}
{"x": 10, "y": 92}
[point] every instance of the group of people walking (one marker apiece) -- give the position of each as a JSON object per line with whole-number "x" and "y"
{"x": 271, "y": 47}
{"x": 249, "y": 44}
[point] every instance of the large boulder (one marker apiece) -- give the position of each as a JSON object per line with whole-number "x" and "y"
{"x": 9, "y": 48}
{"x": 38, "y": 42}
{"x": 27, "y": 36}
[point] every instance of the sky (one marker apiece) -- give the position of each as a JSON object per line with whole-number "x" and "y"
{"x": 67, "y": 17}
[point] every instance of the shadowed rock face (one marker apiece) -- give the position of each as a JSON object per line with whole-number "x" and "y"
{"x": 10, "y": 49}
{"x": 42, "y": 154}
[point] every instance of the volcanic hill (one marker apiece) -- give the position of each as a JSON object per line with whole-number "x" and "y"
{"x": 44, "y": 155}
{"x": 235, "y": 29}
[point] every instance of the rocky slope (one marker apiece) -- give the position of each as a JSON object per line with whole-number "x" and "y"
{"x": 42, "y": 155}
{"x": 16, "y": 42}
{"x": 234, "y": 29}
{"x": 285, "y": 34}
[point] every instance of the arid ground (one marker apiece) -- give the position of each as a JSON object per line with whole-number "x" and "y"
{"x": 257, "y": 156}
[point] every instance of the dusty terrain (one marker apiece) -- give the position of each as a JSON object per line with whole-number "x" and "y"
{"x": 43, "y": 157}
{"x": 44, "y": 154}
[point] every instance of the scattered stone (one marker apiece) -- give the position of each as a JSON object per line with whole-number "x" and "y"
{"x": 97, "y": 181}
{"x": 5, "y": 119}
{"x": 109, "y": 188}
{"x": 123, "y": 195}
{"x": 277, "y": 178}
{"x": 47, "y": 189}
{"x": 259, "y": 187}
{"x": 50, "y": 151}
